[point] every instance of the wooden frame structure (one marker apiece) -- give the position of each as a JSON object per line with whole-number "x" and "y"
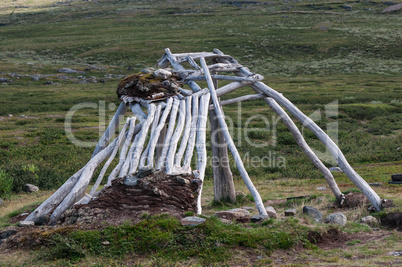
{"x": 182, "y": 120}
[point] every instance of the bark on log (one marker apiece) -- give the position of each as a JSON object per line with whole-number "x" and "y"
{"x": 231, "y": 145}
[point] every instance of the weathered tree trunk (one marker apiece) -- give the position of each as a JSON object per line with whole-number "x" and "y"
{"x": 231, "y": 145}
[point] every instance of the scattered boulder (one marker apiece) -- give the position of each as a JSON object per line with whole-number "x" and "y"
{"x": 369, "y": 220}
{"x": 259, "y": 218}
{"x": 393, "y": 220}
{"x": 322, "y": 188}
{"x": 336, "y": 218}
{"x": 4, "y": 80}
{"x": 375, "y": 184}
{"x": 290, "y": 212}
{"x": 335, "y": 169}
{"x": 192, "y": 221}
{"x": 271, "y": 212}
{"x": 392, "y": 8}
{"x": 313, "y": 213}
{"x": 396, "y": 177}
{"x": 233, "y": 214}
{"x": 68, "y": 70}
{"x": 105, "y": 243}
{"x": 26, "y": 223}
{"x": 31, "y": 188}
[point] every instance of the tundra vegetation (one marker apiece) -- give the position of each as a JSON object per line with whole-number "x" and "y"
{"x": 314, "y": 52}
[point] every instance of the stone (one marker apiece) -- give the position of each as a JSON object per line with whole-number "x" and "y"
{"x": 8, "y": 231}
{"x": 130, "y": 180}
{"x": 182, "y": 180}
{"x": 26, "y": 223}
{"x": 232, "y": 214}
{"x": 369, "y": 220}
{"x": 259, "y": 218}
{"x": 192, "y": 221}
{"x": 321, "y": 188}
{"x": 271, "y": 212}
{"x": 335, "y": 169}
{"x": 375, "y": 184}
{"x": 396, "y": 177}
{"x": 226, "y": 221}
{"x": 290, "y": 212}
{"x": 105, "y": 243}
{"x": 248, "y": 208}
{"x": 42, "y": 220}
{"x": 336, "y": 218}
{"x": 67, "y": 70}
{"x": 395, "y": 253}
{"x": 24, "y": 214}
{"x": 392, "y": 8}
{"x": 4, "y": 80}
{"x": 31, "y": 188}
{"x": 313, "y": 213}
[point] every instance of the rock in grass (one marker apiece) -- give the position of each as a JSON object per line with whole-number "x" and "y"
{"x": 369, "y": 220}
{"x": 8, "y": 231}
{"x": 130, "y": 180}
{"x": 26, "y": 223}
{"x": 290, "y": 212}
{"x": 396, "y": 177}
{"x": 30, "y": 188}
{"x": 336, "y": 218}
{"x": 313, "y": 213}
{"x": 192, "y": 221}
{"x": 232, "y": 214}
{"x": 259, "y": 218}
{"x": 271, "y": 212}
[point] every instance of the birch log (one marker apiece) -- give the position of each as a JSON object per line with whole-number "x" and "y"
{"x": 201, "y": 144}
{"x": 304, "y": 146}
{"x": 123, "y": 152}
{"x": 77, "y": 192}
{"x": 169, "y": 133}
{"x": 113, "y": 125}
{"x": 231, "y": 145}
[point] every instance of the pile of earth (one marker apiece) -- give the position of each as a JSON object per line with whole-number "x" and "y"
{"x": 155, "y": 194}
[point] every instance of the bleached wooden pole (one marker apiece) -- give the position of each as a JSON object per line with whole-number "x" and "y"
{"x": 135, "y": 158}
{"x": 77, "y": 192}
{"x": 231, "y": 145}
{"x": 201, "y": 144}
{"x": 238, "y": 99}
{"x": 123, "y": 152}
{"x": 113, "y": 125}
{"x": 304, "y": 146}
{"x": 120, "y": 141}
{"x": 324, "y": 138}
{"x": 186, "y": 133}
{"x": 169, "y": 133}
{"x": 145, "y": 161}
{"x": 175, "y": 138}
{"x": 193, "y": 132}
